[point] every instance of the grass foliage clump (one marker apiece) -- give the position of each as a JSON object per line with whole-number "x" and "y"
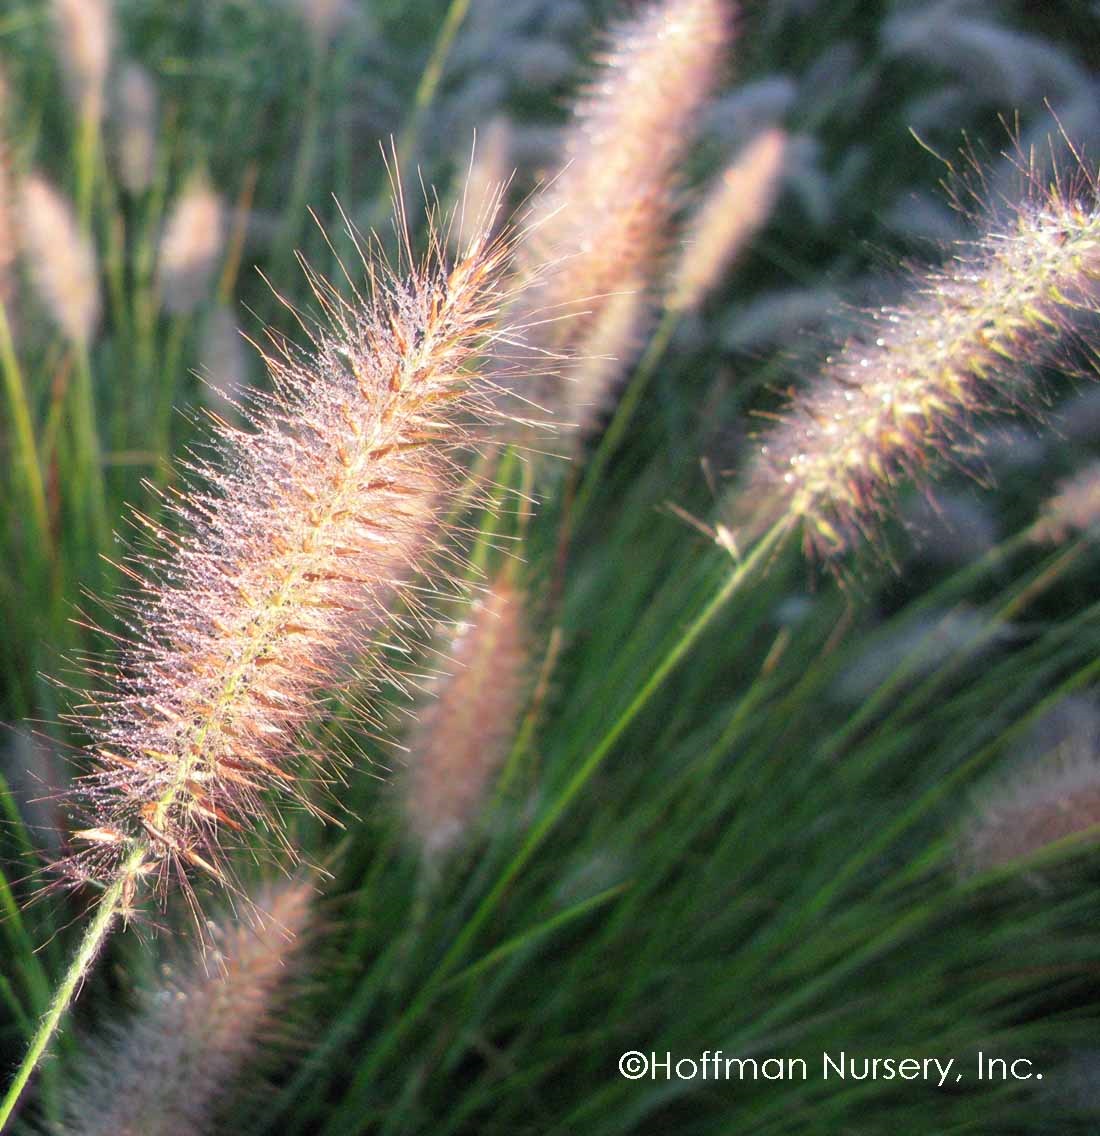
{"x": 534, "y": 532}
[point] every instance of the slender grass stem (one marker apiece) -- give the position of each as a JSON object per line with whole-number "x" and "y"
{"x": 108, "y": 910}
{"x": 87, "y": 157}
{"x": 955, "y": 586}
{"x": 490, "y": 521}
{"x": 306, "y": 159}
{"x": 26, "y": 452}
{"x": 170, "y": 363}
{"x": 432, "y": 75}
{"x": 89, "y": 458}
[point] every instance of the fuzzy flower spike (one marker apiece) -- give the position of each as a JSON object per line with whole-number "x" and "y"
{"x": 290, "y": 556}
{"x": 171, "y": 1068}
{"x": 462, "y": 736}
{"x": 292, "y": 545}
{"x": 908, "y": 390}
{"x": 604, "y": 221}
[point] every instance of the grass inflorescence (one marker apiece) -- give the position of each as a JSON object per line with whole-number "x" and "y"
{"x": 612, "y": 767}
{"x": 297, "y": 539}
{"x": 911, "y": 386}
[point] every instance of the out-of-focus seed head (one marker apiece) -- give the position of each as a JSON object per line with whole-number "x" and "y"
{"x": 61, "y": 259}
{"x": 172, "y": 1067}
{"x": 462, "y": 735}
{"x": 1051, "y": 795}
{"x": 734, "y": 209}
{"x": 223, "y": 365}
{"x": 190, "y": 247}
{"x": 135, "y": 108}
{"x": 1074, "y": 508}
{"x": 604, "y": 221}
{"x": 324, "y": 18}
{"x": 85, "y": 37}
{"x": 8, "y": 228}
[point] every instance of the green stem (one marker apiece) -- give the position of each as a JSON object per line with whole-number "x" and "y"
{"x": 87, "y": 155}
{"x": 89, "y": 457}
{"x": 26, "y": 451}
{"x": 426, "y": 89}
{"x": 162, "y": 426}
{"x": 490, "y": 521}
{"x": 110, "y": 906}
{"x": 304, "y": 163}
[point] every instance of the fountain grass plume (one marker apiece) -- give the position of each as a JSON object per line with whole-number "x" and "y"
{"x": 85, "y": 37}
{"x": 62, "y": 260}
{"x": 1074, "y": 507}
{"x": 190, "y": 247}
{"x": 170, "y": 1068}
{"x": 279, "y": 565}
{"x": 908, "y": 391}
{"x": 298, "y": 534}
{"x": 1048, "y": 797}
{"x": 737, "y": 205}
{"x": 462, "y": 735}
{"x": 604, "y": 222}
{"x": 135, "y": 121}
{"x": 8, "y": 226}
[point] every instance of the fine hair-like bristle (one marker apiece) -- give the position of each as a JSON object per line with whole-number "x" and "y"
{"x": 604, "y": 221}
{"x": 308, "y": 526}
{"x": 85, "y": 37}
{"x": 190, "y": 247}
{"x": 734, "y": 209}
{"x": 61, "y": 260}
{"x": 961, "y": 344}
{"x": 462, "y": 735}
{"x": 135, "y": 121}
{"x": 1073, "y": 508}
{"x": 171, "y": 1067}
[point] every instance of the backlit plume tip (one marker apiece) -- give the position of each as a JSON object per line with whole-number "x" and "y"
{"x": 190, "y": 247}
{"x": 735, "y": 208}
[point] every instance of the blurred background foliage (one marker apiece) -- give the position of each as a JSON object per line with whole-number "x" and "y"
{"x": 763, "y": 856}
